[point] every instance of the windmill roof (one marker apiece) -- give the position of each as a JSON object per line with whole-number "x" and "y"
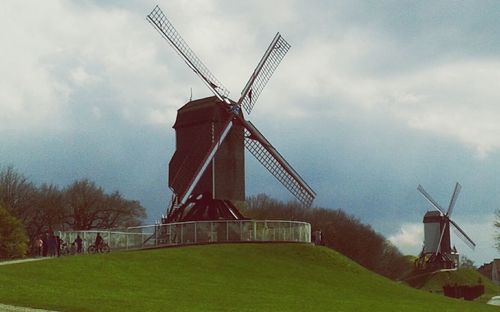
{"x": 432, "y": 216}
{"x": 201, "y": 111}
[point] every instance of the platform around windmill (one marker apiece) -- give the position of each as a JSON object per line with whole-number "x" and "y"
{"x": 197, "y": 232}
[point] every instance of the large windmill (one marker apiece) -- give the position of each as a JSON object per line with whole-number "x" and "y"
{"x": 206, "y": 172}
{"x": 437, "y": 252}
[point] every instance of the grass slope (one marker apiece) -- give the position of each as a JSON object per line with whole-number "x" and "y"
{"x": 245, "y": 277}
{"x": 435, "y": 282}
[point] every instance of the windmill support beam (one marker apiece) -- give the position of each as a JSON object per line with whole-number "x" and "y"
{"x": 208, "y": 158}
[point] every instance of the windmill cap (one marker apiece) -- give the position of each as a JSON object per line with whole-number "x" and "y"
{"x": 433, "y": 217}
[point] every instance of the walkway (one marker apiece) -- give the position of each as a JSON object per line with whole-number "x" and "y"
{"x": 9, "y": 308}
{"x": 22, "y": 260}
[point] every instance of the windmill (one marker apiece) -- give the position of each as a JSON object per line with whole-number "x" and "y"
{"x": 437, "y": 252}
{"x": 206, "y": 172}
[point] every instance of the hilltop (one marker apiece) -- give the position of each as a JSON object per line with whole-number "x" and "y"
{"x": 230, "y": 277}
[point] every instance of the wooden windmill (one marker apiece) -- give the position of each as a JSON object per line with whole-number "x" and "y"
{"x": 206, "y": 172}
{"x": 437, "y": 252}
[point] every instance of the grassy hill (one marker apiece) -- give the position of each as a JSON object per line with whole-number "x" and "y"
{"x": 435, "y": 282}
{"x": 245, "y": 277}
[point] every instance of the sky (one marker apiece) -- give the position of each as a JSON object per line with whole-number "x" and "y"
{"x": 373, "y": 99}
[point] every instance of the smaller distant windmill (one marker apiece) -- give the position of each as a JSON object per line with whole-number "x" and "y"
{"x": 437, "y": 253}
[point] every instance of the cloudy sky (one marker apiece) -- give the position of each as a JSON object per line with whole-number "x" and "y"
{"x": 374, "y": 98}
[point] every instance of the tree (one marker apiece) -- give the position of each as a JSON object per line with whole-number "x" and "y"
{"x": 13, "y": 239}
{"x": 17, "y": 194}
{"x": 88, "y": 207}
{"x": 466, "y": 263}
{"x": 48, "y": 211}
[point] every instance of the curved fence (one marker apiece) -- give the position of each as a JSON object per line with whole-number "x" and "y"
{"x": 197, "y": 232}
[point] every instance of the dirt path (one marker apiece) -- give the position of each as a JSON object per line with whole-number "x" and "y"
{"x": 21, "y": 261}
{"x": 9, "y": 308}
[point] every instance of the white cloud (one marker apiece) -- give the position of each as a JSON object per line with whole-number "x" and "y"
{"x": 409, "y": 239}
{"x": 64, "y": 58}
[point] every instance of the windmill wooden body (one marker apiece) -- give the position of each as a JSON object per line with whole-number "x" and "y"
{"x": 437, "y": 253}
{"x": 206, "y": 172}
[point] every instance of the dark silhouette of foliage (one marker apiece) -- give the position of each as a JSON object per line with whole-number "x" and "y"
{"x": 340, "y": 231}
{"x": 88, "y": 207}
{"x": 80, "y": 206}
{"x": 17, "y": 194}
{"x": 13, "y": 239}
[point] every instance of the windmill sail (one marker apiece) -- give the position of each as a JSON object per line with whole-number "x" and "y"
{"x": 430, "y": 199}
{"x": 269, "y": 157}
{"x": 169, "y": 33}
{"x": 263, "y": 72}
{"x": 453, "y": 199}
{"x": 464, "y": 237}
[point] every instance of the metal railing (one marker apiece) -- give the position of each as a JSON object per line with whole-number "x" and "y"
{"x": 196, "y": 232}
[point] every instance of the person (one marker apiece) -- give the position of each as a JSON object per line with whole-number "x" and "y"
{"x": 78, "y": 241}
{"x": 72, "y": 249}
{"x": 52, "y": 244}
{"x": 317, "y": 238}
{"x": 98, "y": 242}
{"x": 45, "y": 241}
{"x": 59, "y": 244}
{"x": 39, "y": 246}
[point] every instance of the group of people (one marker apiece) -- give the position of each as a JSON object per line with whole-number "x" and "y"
{"x": 50, "y": 245}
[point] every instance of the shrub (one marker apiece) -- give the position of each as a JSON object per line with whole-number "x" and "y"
{"x": 13, "y": 239}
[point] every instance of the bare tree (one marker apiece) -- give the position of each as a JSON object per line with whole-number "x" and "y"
{"x": 17, "y": 194}
{"x": 48, "y": 211}
{"x": 88, "y": 207}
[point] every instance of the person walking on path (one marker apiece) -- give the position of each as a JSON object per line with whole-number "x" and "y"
{"x": 52, "y": 245}
{"x": 98, "y": 242}
{"x": 78, "y": 242}
{"x": 39, "y": 246}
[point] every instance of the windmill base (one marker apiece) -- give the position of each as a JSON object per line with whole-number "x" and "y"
{"x": 437, "y": 261}
{"x": 204, "y": 208}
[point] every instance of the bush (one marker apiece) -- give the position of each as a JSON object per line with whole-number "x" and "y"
{"x": 13, "y": 239}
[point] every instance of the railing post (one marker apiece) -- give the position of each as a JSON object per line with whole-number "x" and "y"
{"x": 254, "y": 230}
{"x": 182, "y": 234}
{"x": 157, "y": 228}
{"x": 212, "y": 233}
{"x": 195, "y": 234}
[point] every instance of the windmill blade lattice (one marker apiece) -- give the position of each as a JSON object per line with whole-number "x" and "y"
{"x": 263, "y": 72}
{"x": 269, "y": 157}
{"x": 168, "y": 31}
{"x": 430, "y": 199}
{"x": 464, "y": 237}
{"x": 453, "y": 200}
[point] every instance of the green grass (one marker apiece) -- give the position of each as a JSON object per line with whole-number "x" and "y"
{"x": 245, "y": 277}
{"x": 435, "y": 282}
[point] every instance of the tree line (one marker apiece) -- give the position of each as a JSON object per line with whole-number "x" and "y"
{"x": 82, "y": 205}
{"x": 340, "y": 231}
